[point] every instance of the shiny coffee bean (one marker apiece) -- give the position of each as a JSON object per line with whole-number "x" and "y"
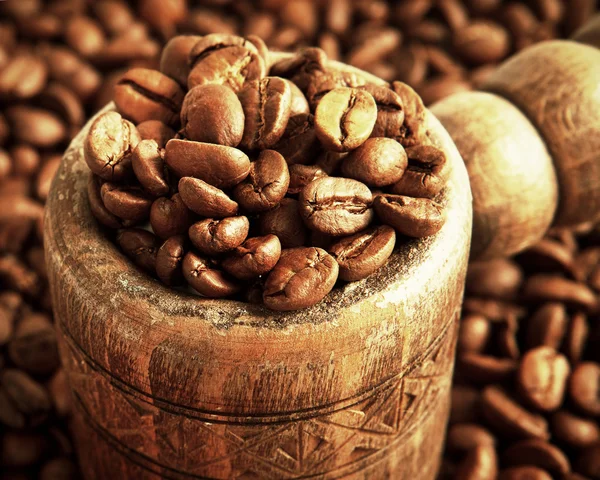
{"x": 484, "y": 368}
{"x": 206, "y": 200}
{"x": 97, "y": 205}
{"x": 108, "y": 146}
{"x": 23, "y": 77}
{"x": 217, "y": 165}
{"x": 361, "y": 254}
{"x": 205, "y": 279}
{"x": 224, "y": 60}
{"x": 127, "y": 203}
{"x": 577, "y": 336}
{"x": 537, "y": 453}
{"x": 299, "y": 144}
{"x": 426, "y": 173}
{"x": 345, "y": 118}
{"x": 463, "y": 437}
{"x": 169, "y": 259}
{"x": 584, "y": 388}
{"x": 266, "y": 184}
{"x": 299, "y": 104}
{"x": 414, "y": 131}
{"x": 34, "y": 347}
{"x": 156, "y": 130}
{"x": 542, "y": 377}
{"x": 140, "y": 246}
{"x": 545, "y": 287}
{"x": 498, "y": 278}
{"x": 378, "y": 162}
{"x": 474, "y": 334}
{"x": 547, "y": 326}
{"x": 149, "y": 167}
{"x": 212, "y": 114}
{"x": 481, "y": 462}
{"x": 36, "y": 127}
{"x": 302, "y": 175}
{"x": 256, "y": 256}
{"x": 390, "y": 111}
{"x": 336, "y": 206}
{"x": 573, "y": 430}
{"x": 481, "y": 42}
{"x": 170, "y": 216}
{"x": 301, "y": 278}
{"x": 212, "y": 236}
{"x": 143, "y": 94}
{"x": 285, "y": 222}
{"x": 413, "y": 217}
{"x": 175, "y": 55}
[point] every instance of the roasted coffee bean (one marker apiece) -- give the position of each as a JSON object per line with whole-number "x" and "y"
{"x": 140, "y": 246}
{"x": 345, "y": 118}
{"x": 97, "y": 205}
{"x": 213, "y": 114}
{"x": 170, "y": 216}
{"x": 508, "y": 417}
{"x": 23, "y": 77}
{"x": 10, "y": 303}
{"x": 169, "y": 259}
{"x": 414, "y": 131}
{"x": 58, "y": 388}
{"x": 302, "y": 67}
{"x": 175, "y": 55}
{"x": 413, "y": 217}
{"x": 15, "y": 275}
{"x": 205, "y": 279}
{"x": 577, "y": 336}
{"x": 542, "y": 377}
{"x": 537, "y": 453}
{"x": 224, "y": 60}
{"x": 217, "y": 165}
{"x": 301, "y": 176}
{"x": 256, "y": 256}
{"x": 463, "y": 437}
{"x": 575, "y": 431}
{"x": 33, "y": 347}
{"x": 267, "y": 105}
{"x": 206, "y": 200}
{"x": 485, "y": 369}
{"x": 212, "y": 236}
{"x": 27, "y": 396}
{"x": 108, "y": 146}
{"x": 299, "y": 104}
{"x": 481, "y": 42}
{"x": 507, "y": 338}
{"x": 266, "y": 184}
{"x": 474, "y": 334}
{"x": 84, "y": 35}
{"x": 584, "y": 388}
{"x": 542, "y": 287}
{"x": 149, "y": 167}
{"x": 426, "y": 173}
{"x": 301, "y": 278}
{"x": 548, "y": 255}
{"x": 299, "y": 144}
{"x": 588, "y": 462}
{"x": 156, "y": 130}
{"x": 336, "y": 206}
{"x": 481, "y": 462}
{"x": 285, "y": 222}
{"x": 37, "y": 127}
{"x": 361, "y": 254}
{"x": 143, "y": 94}
{"x": 526, "y": 472}
{"x": 25, "y": 159}
{"x": 378, "y": 162}
{"x": 127, "y": 203}
{"x": 547, "y": 326}
{"x": 498, "y": 278}
{"x": 390, "y": 111}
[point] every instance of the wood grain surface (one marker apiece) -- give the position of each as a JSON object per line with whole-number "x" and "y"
{"x": 169, "y": 385}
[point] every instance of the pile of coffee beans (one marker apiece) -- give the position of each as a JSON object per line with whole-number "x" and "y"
{"x": 526, "y": 395}
{"x": 249, "y": 175}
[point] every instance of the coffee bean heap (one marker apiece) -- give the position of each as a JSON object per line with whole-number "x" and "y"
{"x": 267, "y": 174}
{"x": 526, "y": 395}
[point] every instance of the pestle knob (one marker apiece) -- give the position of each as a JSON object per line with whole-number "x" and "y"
{"x": 554, "y": 122}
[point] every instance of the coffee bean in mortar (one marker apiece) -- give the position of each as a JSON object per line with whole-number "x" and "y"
{"x": 212, "y": 236}
{"x": 256, "y": 256}
{"x": 156, "y": 130}
{"x": 413, "y": 217}
{"x": 302, "y": 175}
{"x": 285, "y": 222}
{"x": 206, "y": 279}
{"x": 170, "y": 216}
{"x": 206, "y": 200}
{"x": 149, "y": 167}
{"x": 140, "y": 246}
{"x": 426, "y": 173}
{"x": 174, "y": 59}
{"x": 126, "y": 202}
{"x": 169, "y": 259}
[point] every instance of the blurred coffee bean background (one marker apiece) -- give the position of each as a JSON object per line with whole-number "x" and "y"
{"x": 526, "y": 400}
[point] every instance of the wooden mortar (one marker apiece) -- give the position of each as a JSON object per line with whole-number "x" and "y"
{"x": 169, "y": 385}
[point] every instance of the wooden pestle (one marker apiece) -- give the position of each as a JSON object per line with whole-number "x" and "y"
{"x": 531, "y": 144}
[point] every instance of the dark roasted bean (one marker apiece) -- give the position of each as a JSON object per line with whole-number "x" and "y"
{"x": 169, "y": 259}
{"x": 149, "y": 167}
{"x": 413, "y": 217}
{"x": 378, "y": 162}
{"x": 256, "y": 256}
{"x": 206, "y": 200}
{"x": 426, "y": 173}
{"x": 212, "y": 236}
{"x": 285, "y": 222}
{"x": 140, "y": 246}
{"x": 206, "y": 280}
{"x": 170, "y": 216}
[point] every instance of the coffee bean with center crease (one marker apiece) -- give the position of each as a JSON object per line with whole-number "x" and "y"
{"x": 584, "y": 388}
{"x": 217, "y": 165}
{"x": 345, "y": 118}
{"x": 390, "y": 111}
{"x": 169, "y": 259}
{"x": 225, "y": 60}
{"x": 302, "y": 175}
{"x": 97, "y": 205}
{"x": 213, "y": 236}
{"x": 301, "y": 278}
{"x": 212, "y": 114}
{"x": 256, "y": 256}
{"x": 206, "y": 200}
{"x": 140, "y": 246}
{"x": 413, "y": 217}
{"x": 205, "y": 279}
{"x": 156, "y": 130}
{"x": 285, "y": 222}
{"x": 267, "y": 106}
{"x": 426, "y": 173}
{"x": 414, "y": 131}
{"x": 299, "y": 144}
{"x": 378, "y": 162}
{"x": 143, "y": 94}
{"x": 336, "y": 206}
{"x": 362, "y": 254}
{"x": 266, "y": 184}
{"x": 126, "y": 202}
{"x": 542, "y": 377}
{"x": 170, "y": 216}
{"x": 108, "y": 146}
{"x": 149, "y": 167}
{"x": 175, "y": 55}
